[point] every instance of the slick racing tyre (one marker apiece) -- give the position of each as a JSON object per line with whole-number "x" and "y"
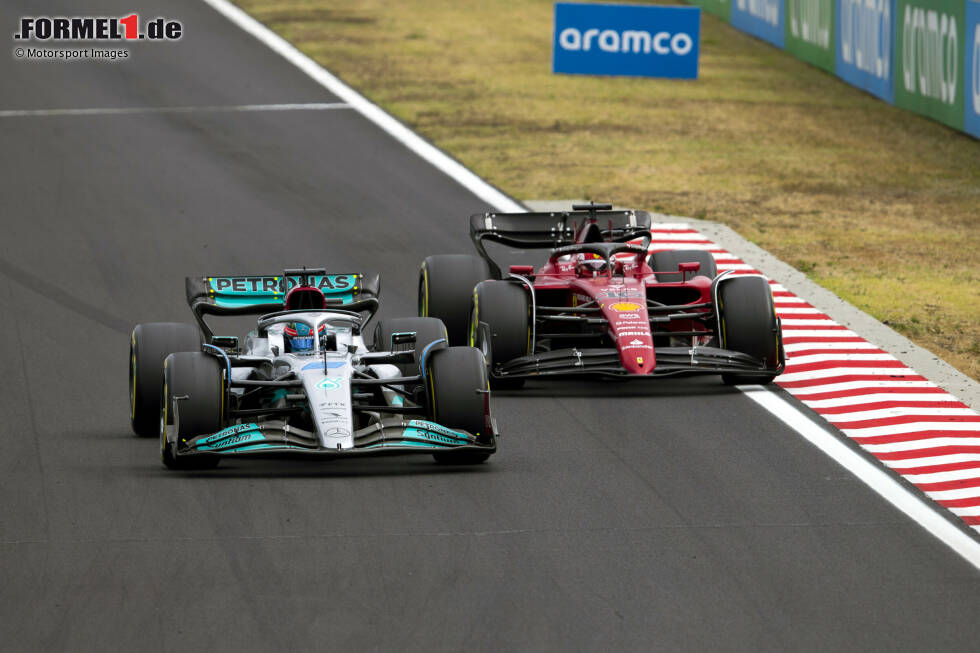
{"x": 149, "y": 345}
{"x": 428, "y": 331}
{"x": 666, "y": 262}
{"x": 446, "y": 285}
{"x": 748, "y": 325}
{"x": 195, "y": 379}
{"x": 500, "y": 326}
{"x": 457, "y": 378}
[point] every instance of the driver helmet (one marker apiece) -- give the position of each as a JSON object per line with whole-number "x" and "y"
{"x": 299, "y": 336}
{"x": 593, "y": 265}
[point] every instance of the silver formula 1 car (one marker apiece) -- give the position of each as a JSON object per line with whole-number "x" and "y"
{"x": 303, "y": 383}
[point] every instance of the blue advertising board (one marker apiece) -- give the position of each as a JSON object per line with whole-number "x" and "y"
{"x": 765, "y": 19}
{"x": 865, "y": 34}
{"x": 631, "y": 40}
{"x": 971, "y": 80}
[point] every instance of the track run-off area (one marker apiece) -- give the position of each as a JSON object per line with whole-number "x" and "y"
{"x": 672, "y": 515}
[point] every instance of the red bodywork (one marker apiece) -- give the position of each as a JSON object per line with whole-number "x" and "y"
{"x": 620, "y": 293}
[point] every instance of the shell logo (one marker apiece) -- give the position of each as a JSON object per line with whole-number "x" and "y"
{"x": 623, "y": 307}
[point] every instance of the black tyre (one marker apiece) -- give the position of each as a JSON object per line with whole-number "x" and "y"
{"x": 749, "y": 325}
{"x": 198, "y": 377}
{"x": 458, "y": 382}
{"x": 427, "y": 331}
{"x": 149, "y": 345}
{"x": 667, "y": 262}
{"x": 445, "y": 287}
{"x": 500, "y": 325}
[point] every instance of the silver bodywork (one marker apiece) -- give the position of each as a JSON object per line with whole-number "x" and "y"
{"x": 321, "y": 380}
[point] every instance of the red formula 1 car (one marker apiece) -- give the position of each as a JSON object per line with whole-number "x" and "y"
{"x": 599, "y": 305}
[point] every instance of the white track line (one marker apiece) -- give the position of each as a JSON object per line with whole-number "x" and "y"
{"x": 874, "y": 476}
{"x": 117, "y": 111}
{"x": 368, "y": 109}
{"x": 916, "y": 508}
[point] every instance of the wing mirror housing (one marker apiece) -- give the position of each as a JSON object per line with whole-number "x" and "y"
{"x": 403, "y": 341}
{"x": 523, "y": 270}
{"x": 693, "y": 267}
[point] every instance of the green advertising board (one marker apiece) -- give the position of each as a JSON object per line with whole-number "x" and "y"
{"x": 810, "y": 31}
{"x": 720, "y": 8}
{"x": 930, "y": 39}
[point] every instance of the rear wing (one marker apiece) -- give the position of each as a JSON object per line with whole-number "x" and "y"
{"x": 595, "y": 223}
{"x": 261, "y": 294}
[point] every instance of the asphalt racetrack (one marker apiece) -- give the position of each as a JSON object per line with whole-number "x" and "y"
{"x": 675, "y": 516}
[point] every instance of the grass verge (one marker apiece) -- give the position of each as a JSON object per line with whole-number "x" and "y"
{"x": 878, "y": 205}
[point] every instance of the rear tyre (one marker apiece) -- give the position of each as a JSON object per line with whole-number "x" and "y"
{"x": 458, "y": 381}
{"x": 749, "y": 325}
{"x": 500, "y": 326}
{"x": 197, "y": 377}
{"x": 667, "y": 261}
{"x": 149, "y": 345}
{"x": 446, "y": 285}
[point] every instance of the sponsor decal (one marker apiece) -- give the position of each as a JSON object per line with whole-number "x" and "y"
{"x": 330, "y": 383}
{"x": 624, "y": 334}
{"x": 230, "y": 431}
{"x": 277, "y": 285}
{"x": 631, "y": 40}
{"x": 434, "y": 432}
{"x": 619, "y": 292}
{"x": 230, "y": 437}
{"x": 622, "y": 307}
{"x": 930, "y": 41}
{"x": 864, "y": 45}
{"x": 762, "y": 18}
{"x": 636, "y": 342}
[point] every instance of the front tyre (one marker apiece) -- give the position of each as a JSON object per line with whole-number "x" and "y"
{"x": 500, "y": 326}
{"x": 149, "y": 345}
{"x": 748, "y": 324}
{"x": 457, "y": 387}
{"x": 193, "y": 404}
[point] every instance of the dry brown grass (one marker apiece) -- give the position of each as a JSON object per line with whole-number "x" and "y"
{"x": 879, "y": 205}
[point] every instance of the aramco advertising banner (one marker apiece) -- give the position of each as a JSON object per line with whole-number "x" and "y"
{"x": 632, "y": 40}
{"x": 930, "y": 42}
{"x": 921, "y": 55}
{"x": 810, "y": 31}
{"x": 865, "y": 44}
{"x": 761, "y": 18}
{"x": 971, "y": 71}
